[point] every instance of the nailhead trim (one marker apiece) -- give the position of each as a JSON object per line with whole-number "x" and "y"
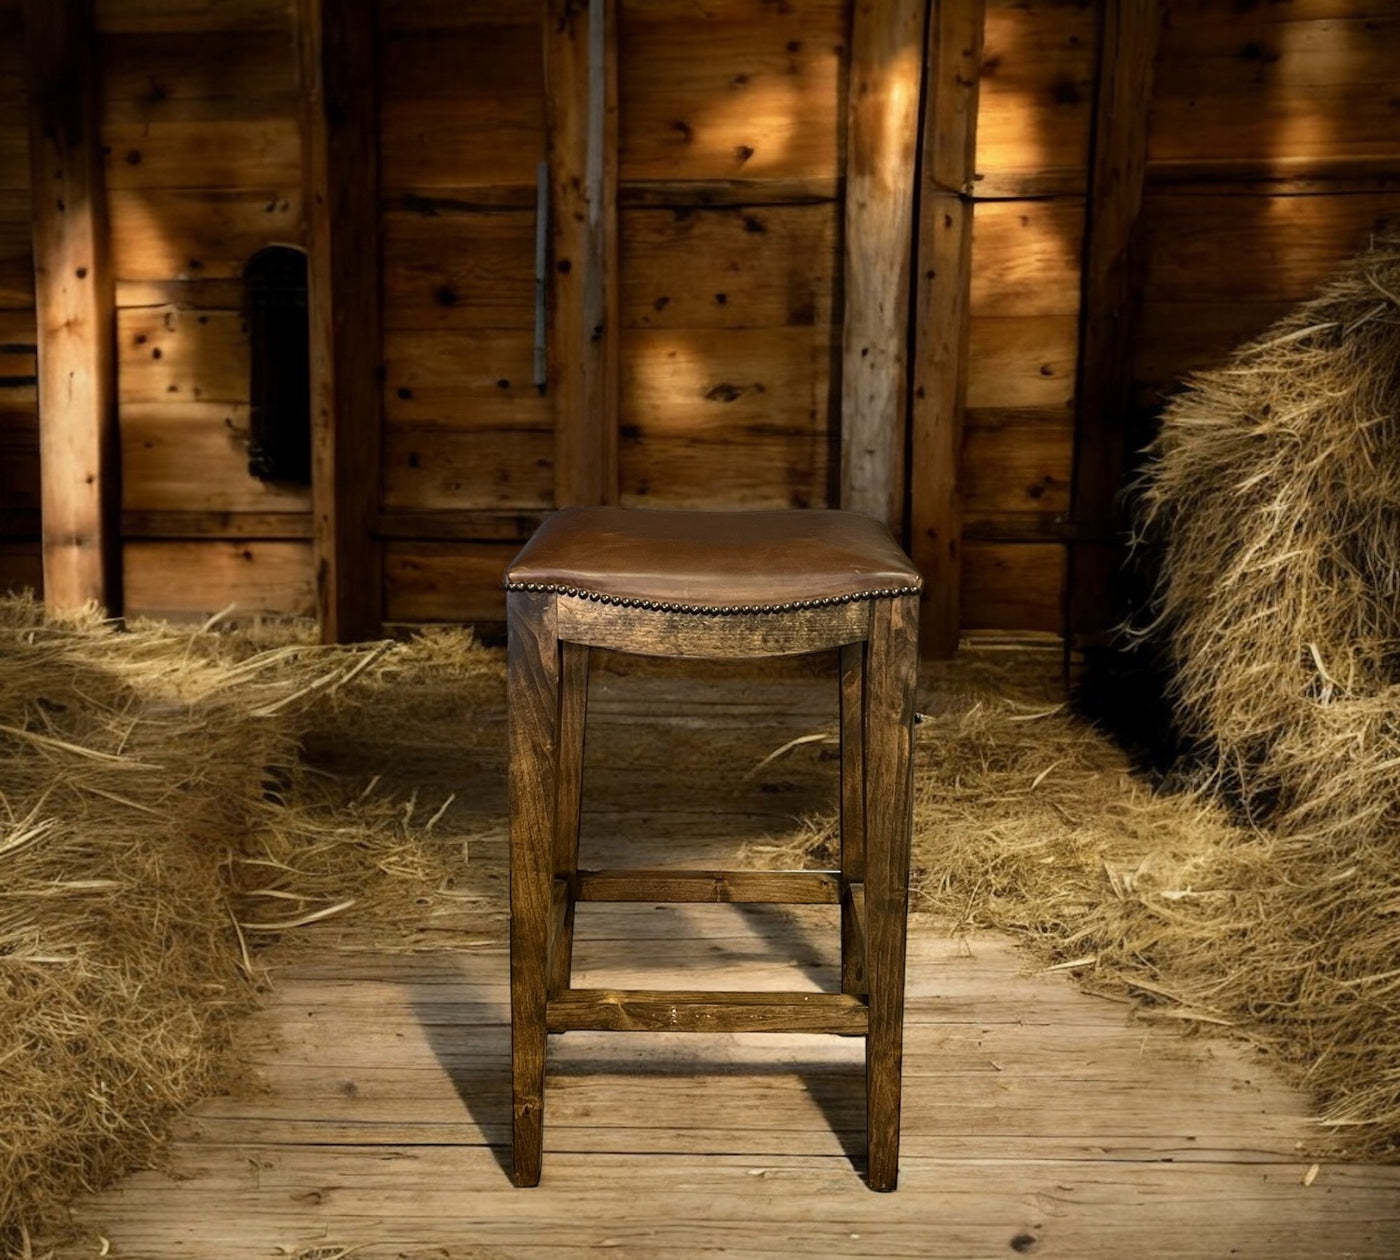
{"x": 655, "y": 605}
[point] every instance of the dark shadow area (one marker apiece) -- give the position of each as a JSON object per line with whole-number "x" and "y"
{"x": 473, "y": 1048}
{"x": 1125, "y": 685}
{"x": 838, "y": 1092}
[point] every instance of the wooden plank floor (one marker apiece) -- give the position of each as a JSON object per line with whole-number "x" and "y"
{"x": 1038, "y": 1120}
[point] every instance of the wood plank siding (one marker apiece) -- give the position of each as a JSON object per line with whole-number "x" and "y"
{"x": 985, "y": 272}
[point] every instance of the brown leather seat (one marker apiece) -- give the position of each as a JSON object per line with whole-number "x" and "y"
{"x": 713, "y": 561}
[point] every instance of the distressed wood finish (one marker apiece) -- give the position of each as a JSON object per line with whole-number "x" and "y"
{"x": 891, "y": 667}
{"x": 214, "y": 524}
{"x": 853, "y": 969}
{"x": 881, "y": 143}
{"x": 341, "y": 169}
{"x": 580, "y": 42}
{"x": 689, "y": 1010}
{"x": 1103, "y": 396}
{"x": 807, "y": 888}
{"x": 533, "y": 677}
{"x": 74, "y": 308}
{"x": 550, "y": 636}
{"x": 568, "y": 782}
{"x": 188, "y": 579}
{"x": 852, "y": 719}
{"x": 941, "y": 330}
{"x": 653, "y": 633}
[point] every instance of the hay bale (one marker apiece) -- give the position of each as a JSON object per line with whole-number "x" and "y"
{"x": 159, "y": 826}
{"x": 1272, "y": 497}
{"x": 1273, "y": 494}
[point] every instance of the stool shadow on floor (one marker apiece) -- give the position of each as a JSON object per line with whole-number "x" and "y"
{"x": 466, "y": 1024}
{"x": 464, "y": 1012}
{"x": 837, "y": 1090}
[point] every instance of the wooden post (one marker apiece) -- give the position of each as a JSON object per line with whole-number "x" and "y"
{"x": 943, "y": 266}
{"x": 340, "y": 161}
{"x": 74, "y": 309}
{"x": 882, "y": 125}
{"x": 580, "y": 52}
{"x": 1128, "y": 38}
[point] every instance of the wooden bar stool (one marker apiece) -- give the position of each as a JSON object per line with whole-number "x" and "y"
{"x": 710, "y": 584}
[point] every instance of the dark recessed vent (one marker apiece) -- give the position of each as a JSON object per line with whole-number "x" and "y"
{"x": 274, "y": 292}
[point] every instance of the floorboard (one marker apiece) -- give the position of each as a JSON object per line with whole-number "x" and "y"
{"x": 1038, "y": 1119}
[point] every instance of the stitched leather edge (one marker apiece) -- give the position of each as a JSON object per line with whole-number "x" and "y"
{"x": 714, "y": 610}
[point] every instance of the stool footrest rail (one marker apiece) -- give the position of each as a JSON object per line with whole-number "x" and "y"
{"x": 646, "y": 1010}
{"x": 811, "y": 888}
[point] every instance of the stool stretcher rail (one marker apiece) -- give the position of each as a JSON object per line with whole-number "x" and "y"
{"x": 805, "y": 888}
{"x": 642, "y": 1010}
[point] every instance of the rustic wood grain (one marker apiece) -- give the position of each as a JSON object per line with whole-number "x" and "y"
{"x": 568, "y": 784}
{"x": 197, "y": 234}
{"x": 654, "y": 633}
{"x": 691, "y": 1010}
{"x": 214, "y": 524}
{"x": 340, "y": 139}
{"x": 1037, "y": 82}
{"x": 581, "y": 77}
{"x": 851, "y": 717}
{"x": 463, "y": 102}
{"x": 1128, "y": 42}
{"x": 207, "y": 16}
{"x": 188, "y": 580}
{"x": 1014, "y": 586}
{"x": 746, "y": 94}
{"x": 1017, "y": 463}
{"x": 730, "y": 267}
{"x": 533, "y": 669}
{"x": 446, "y": 581}
{"x": 883, "y": 100}
{"x": 669, "y": 884}
{"x": 73, "y": 301}
{"x": 456, "y": 268}
{"x": 483, "y": 525}
{"x": 853, "y": 965}
{"x": 465, "y": 466}
{"x": 191, "y": 458}
{"x": 891, "y": 668}
{"x": 1274, "y": 92}
{"x": 941, "y": 327}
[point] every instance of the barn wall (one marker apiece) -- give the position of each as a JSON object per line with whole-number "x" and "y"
{"x": 1032, "y": 153}
{"x": 1273, "y": 153}
{"x": 1270, "y": 150}
{"x": 20, "y": 562}
{"x": 466, "y": 433}
{"x": 203, "y": 168}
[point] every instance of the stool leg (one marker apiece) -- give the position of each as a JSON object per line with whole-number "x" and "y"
{"x": 532, "y": 691}
{"x": 852, "y": 808}
{"x": 573, "y": 709}
{"x": 890, "y": 677}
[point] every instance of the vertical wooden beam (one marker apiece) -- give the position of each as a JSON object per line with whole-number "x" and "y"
{"x": 1128, "y": 36}
{"x": 74, "y": 309}
{"x": 944, "y": 268}
{"x": 580, "y": 53}
{"x": 341, "y": 169}
{"x": 882, "y": 124}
